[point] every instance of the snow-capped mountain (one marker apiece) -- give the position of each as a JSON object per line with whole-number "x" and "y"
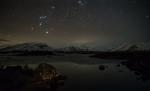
{"x": 27, "y": 47}
{"x": 73, "y": 49}
{"x": 134, "y": 47}
{"x": 4, "y": 46}
{"x": 4, "y": 43}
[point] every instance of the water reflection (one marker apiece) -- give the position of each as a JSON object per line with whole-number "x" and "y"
{"x": 140, "y": 67}
{"x": 22, "y": 78}
{"x": 84, "y": 73}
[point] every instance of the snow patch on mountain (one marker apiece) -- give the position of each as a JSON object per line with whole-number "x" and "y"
{"x": 133, "y": 47}
{"x": 73, "y": 49}
{"x": 28, "y": 47}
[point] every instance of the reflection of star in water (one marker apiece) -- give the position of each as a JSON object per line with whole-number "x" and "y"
{"x": 46, "y": 32}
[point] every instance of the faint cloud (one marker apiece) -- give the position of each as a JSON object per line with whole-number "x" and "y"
{"x": 3, "y": 40}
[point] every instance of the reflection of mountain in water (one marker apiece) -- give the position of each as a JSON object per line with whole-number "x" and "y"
{"x": 141, "y": 67}
{"x": 18, "y": 78}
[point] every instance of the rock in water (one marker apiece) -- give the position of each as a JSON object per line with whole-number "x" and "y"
{"x": 43, "y": 78}
{"x": 46, "y": 76}
{"x": 102, "y": 67}
{"x": 46, "y": 71}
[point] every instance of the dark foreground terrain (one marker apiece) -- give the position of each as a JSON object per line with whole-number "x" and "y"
{"x": 84, "y": 73}
{"x": 18, "y": 78}
{"x": 122, "y": 55}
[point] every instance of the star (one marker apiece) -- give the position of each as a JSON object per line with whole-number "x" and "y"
{"x": 40, "y": 24}
{"x": 46, "y": 32}
{"x": 81, "y": 3}
{"x": 32, "y": 28}
{"x": 147, "y": 16}
{"x": 53, "y": 7}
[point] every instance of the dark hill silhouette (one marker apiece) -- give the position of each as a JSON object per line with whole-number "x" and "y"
{"x": 27, "y": 49}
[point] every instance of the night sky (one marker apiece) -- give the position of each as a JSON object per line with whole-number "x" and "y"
{"x": 96, "y": 23}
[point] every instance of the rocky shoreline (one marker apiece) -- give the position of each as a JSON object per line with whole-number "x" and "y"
{"x": 18, "y": 78}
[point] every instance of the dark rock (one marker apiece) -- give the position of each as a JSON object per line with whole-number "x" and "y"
{"x": 102, "y": 67}
{"x": 120, "y": 71}
{"x": 140, "y": 67}
{"x": 118, "y": 65}
{"x": 14, "y": 68}
{"x": 44, "y": 77}
{"x": 46, "y": 71}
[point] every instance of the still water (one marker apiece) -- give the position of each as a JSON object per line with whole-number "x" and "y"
{"x": 88, "y": 74}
